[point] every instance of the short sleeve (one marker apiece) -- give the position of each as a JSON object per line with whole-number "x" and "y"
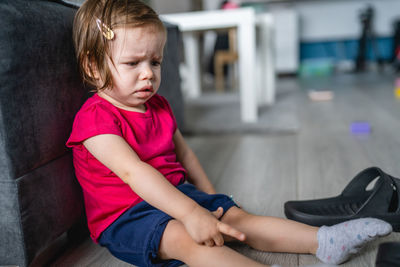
{"x": 93, "y": 120}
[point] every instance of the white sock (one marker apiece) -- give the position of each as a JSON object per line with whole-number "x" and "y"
{"x": 338, "y": 242}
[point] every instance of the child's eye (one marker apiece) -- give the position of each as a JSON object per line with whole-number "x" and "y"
{"x": 134, "y": 63}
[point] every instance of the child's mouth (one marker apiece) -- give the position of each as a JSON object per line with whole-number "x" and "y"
{"x": 144, "y": 92}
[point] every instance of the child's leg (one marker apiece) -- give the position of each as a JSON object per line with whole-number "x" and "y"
{"x": 177, "y": 244}
{"x": 332, "y": 244}
{"x": 273, "y": 234}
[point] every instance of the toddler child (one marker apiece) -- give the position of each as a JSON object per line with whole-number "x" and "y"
{"x": 133, "y": 163}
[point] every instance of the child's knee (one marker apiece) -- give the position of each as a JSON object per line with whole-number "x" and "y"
{"x": 234, "y": 215}
{"x": 176, "y": 242}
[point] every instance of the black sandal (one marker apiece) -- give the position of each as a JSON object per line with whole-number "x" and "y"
{"x": 388, "y": 255}
{"x": 381, "y": 202}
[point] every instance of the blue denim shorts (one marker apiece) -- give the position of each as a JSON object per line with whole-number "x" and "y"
{"x": 135, "y": 236}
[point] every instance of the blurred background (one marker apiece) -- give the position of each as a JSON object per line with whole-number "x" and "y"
{"x": 312, "y": 37}
{"x": 328, "y": 30}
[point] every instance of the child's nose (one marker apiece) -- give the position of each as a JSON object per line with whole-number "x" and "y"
{"x": 147, "y": 72}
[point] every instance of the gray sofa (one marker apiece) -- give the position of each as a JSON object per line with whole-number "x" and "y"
{"x": 40, "y": 92}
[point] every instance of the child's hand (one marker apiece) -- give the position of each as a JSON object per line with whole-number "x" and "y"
{"x": 218, "y": 213}
{"x": 205, "y": 228}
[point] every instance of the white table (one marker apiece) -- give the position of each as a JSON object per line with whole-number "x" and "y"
{"x": 255, "y": 73}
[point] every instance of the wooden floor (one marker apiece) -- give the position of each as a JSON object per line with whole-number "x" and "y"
{"x": 264, "y": 171}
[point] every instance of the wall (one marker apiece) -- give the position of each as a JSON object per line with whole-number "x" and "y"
{"x": 331, "y": 29}
{"x": 171, "y": 6}
{"x": 332, "y": 20}
{"x": 320, "y": 20}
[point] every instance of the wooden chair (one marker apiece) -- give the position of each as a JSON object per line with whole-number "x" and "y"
{"x": 224, "y": 57}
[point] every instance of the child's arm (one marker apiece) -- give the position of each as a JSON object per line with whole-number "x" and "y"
{"x": 116, "y": 154}
{"x": 196, "y": 173}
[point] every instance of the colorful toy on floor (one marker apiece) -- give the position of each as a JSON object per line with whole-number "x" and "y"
{"x": 320, "y": 95}
{"x": 397, "y": 88}
{"x": 397, "y": 93}
{"x": 319, "y": 67}
{"x": 360, "y": 127}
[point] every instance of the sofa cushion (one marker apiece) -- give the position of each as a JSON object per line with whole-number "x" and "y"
{"x": 40, "y": 92}
{"x": 170, "y": 86}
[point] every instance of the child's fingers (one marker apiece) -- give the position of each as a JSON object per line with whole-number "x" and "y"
{"x": 219, "y": 240}
{"x": 229, "y": 230}
{"x": 218, "y": 213}
{"x": 209, "y": 243}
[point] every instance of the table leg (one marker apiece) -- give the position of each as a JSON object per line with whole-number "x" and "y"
{"x": 247, "y": 74}
{"x": 265, "y": 56}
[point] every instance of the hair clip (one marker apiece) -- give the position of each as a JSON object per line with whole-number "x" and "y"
{"x": 105, "y": 30}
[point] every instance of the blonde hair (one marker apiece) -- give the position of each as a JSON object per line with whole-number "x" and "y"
{"x": 92, "y": 45}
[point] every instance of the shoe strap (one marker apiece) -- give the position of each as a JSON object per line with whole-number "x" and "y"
{"x": 380, "y": 195}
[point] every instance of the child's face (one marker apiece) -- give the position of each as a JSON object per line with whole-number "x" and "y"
{"x": 137, "y": 53}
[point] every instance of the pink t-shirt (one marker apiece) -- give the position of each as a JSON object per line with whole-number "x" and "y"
{"x": 149, "y": 134}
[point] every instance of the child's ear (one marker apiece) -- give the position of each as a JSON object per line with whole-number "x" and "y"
{"x": 90, "y": 68}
